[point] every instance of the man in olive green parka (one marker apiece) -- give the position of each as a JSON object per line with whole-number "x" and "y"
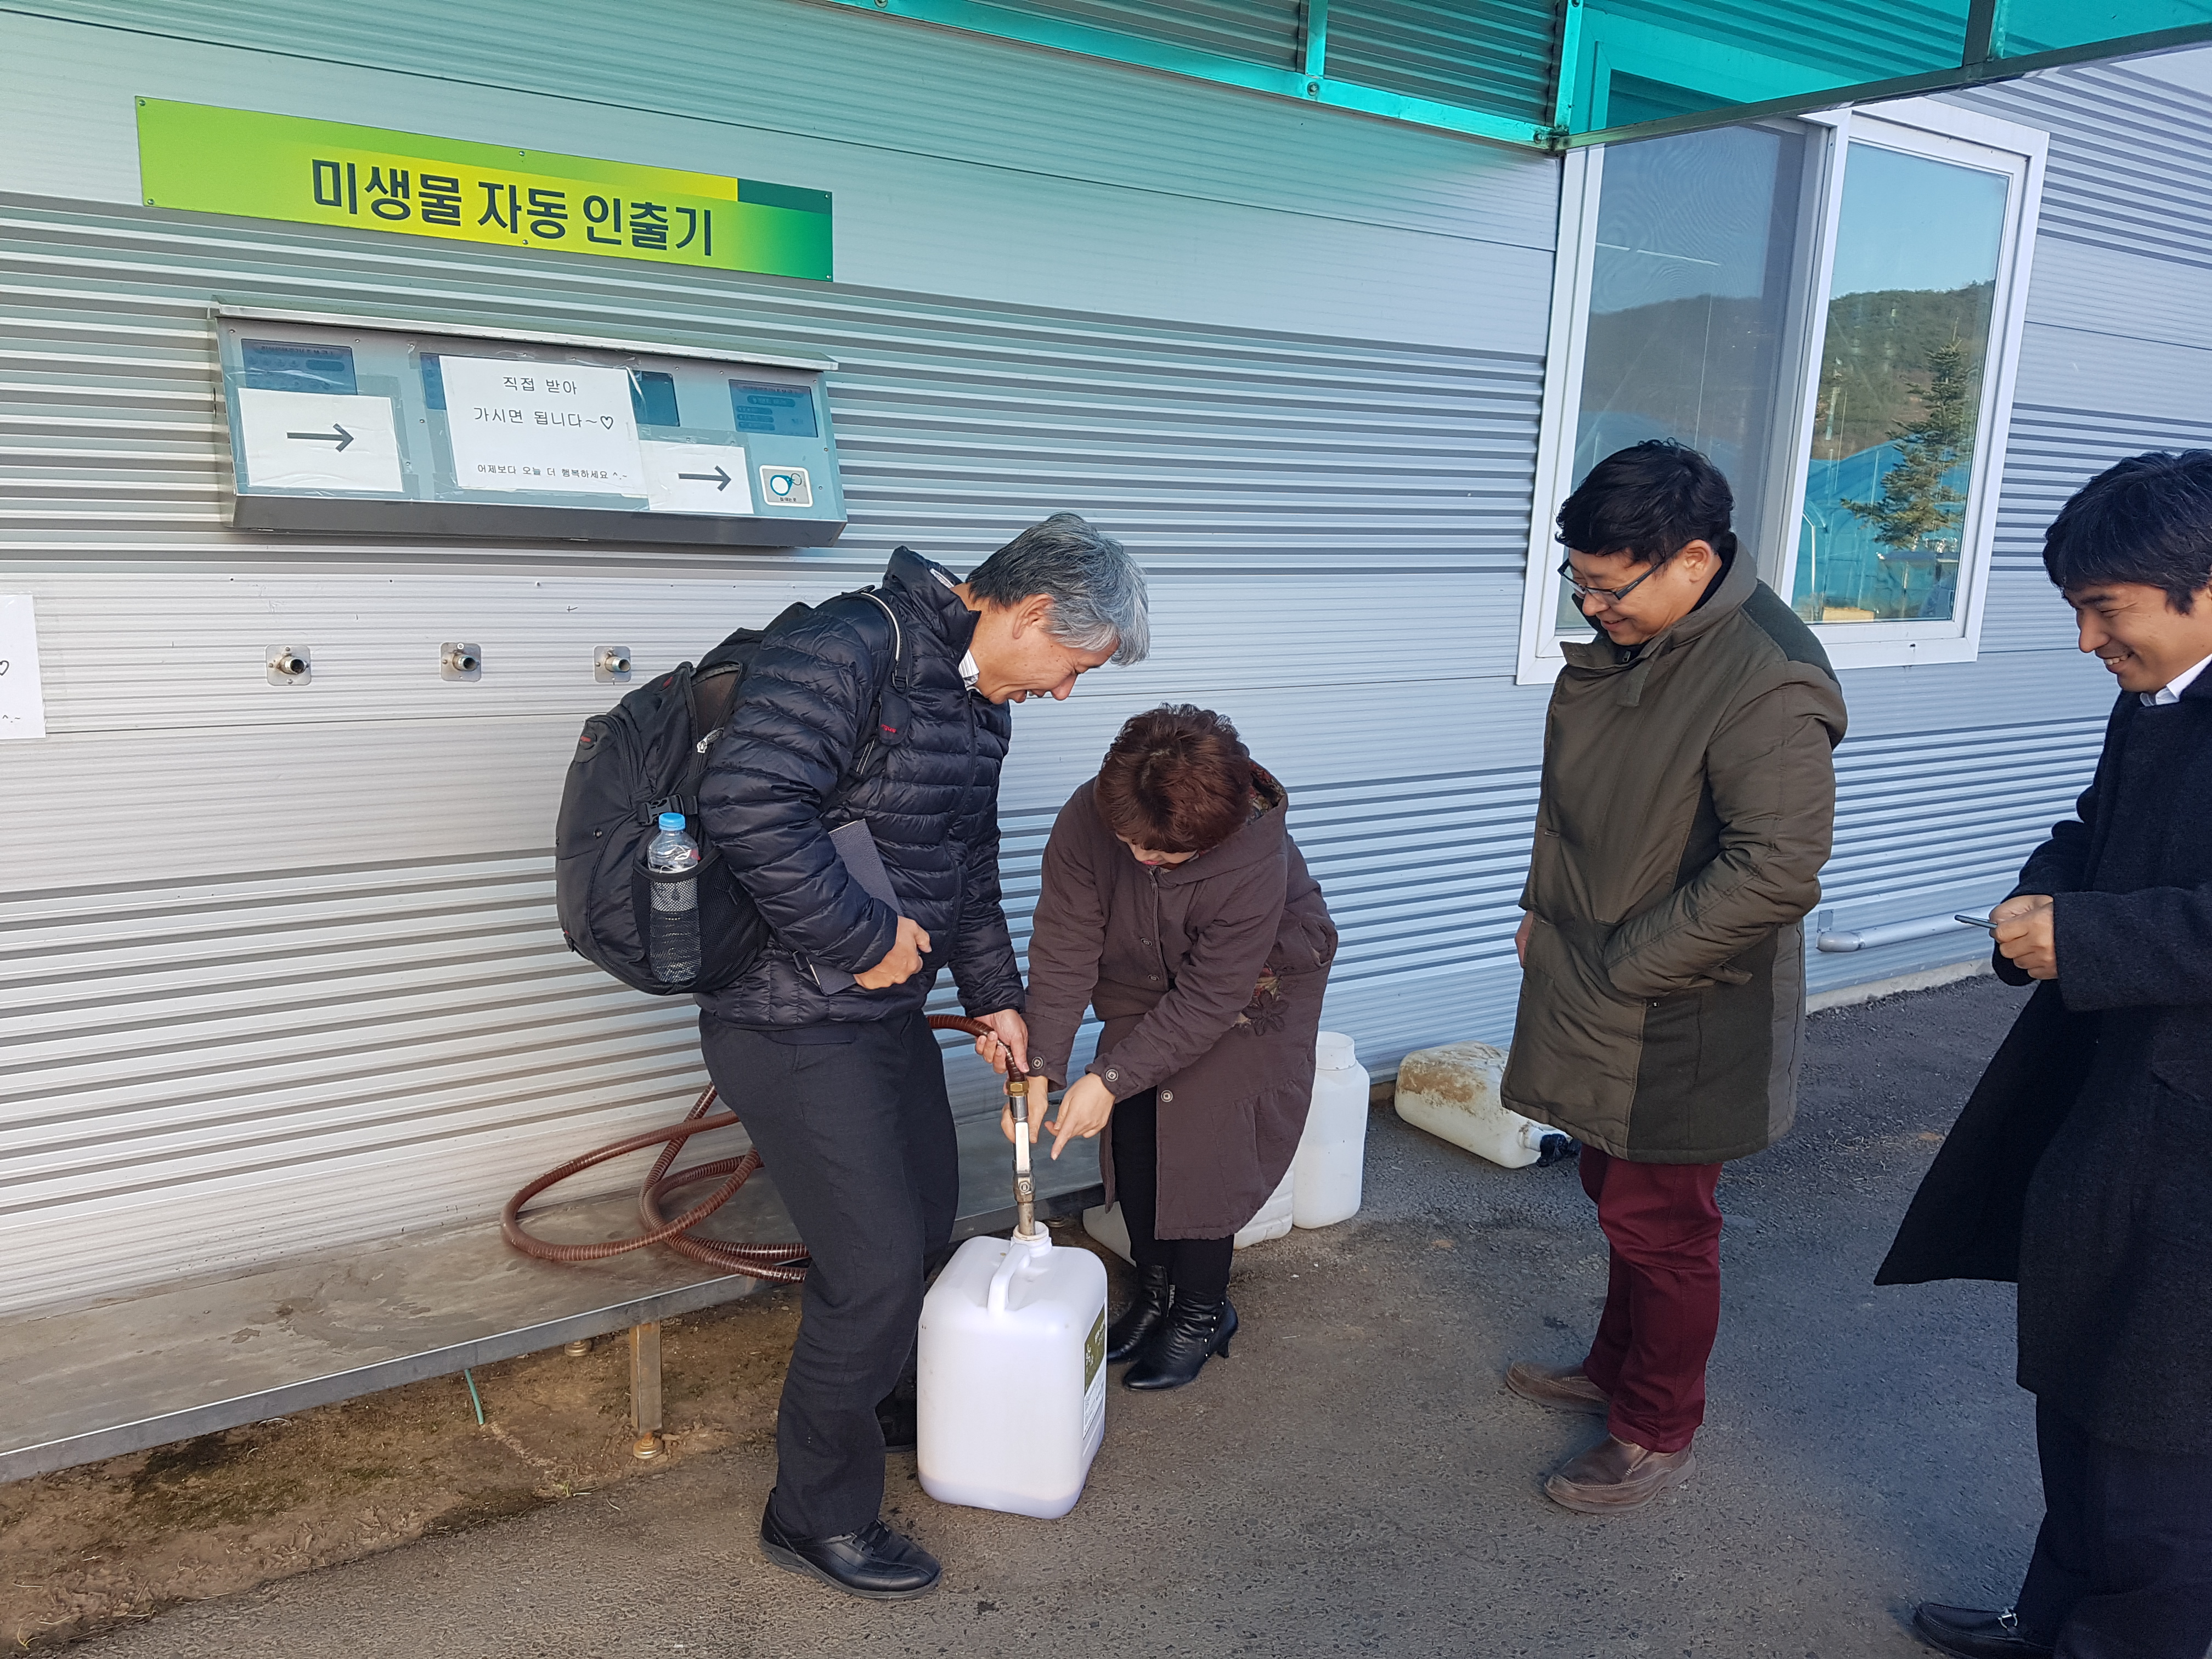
{"x": 1688, "y": 804}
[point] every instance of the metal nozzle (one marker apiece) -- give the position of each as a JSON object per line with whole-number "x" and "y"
{"x": 1017, "y": 1099}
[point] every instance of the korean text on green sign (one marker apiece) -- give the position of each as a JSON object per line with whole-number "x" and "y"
{"x": 205, "y": 160}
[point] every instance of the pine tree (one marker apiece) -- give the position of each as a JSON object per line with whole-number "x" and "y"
{"x": 1917, "y": 504}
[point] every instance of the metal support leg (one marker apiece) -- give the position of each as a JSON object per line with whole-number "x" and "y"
{"x": 645, "y": 1388}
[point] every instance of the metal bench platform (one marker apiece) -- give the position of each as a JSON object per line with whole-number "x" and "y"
{"x": 176, "y": 1360}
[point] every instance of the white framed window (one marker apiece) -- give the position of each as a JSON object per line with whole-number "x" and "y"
{"x": 1830, "y": 307}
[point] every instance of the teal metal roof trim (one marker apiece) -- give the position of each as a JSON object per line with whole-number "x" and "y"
{"x": 1312, "y": 86}
{"x": 1590, "y": 54}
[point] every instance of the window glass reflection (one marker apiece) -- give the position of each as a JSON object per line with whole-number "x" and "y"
{"x": 1696, "y": 252}
{"x": 1898, "y": 412}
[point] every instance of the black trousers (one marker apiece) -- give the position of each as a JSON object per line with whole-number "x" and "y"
{"x": 2123, "y": 1566}
{"x": 1197, "y": 1267}
{"x": 857, "y": 1132}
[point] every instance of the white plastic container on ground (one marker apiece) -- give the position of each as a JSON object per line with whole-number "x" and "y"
{"x": 1331, "y": 1166}
{"x": 1452, "y": 1092}
{"x": 1103, "y": 1221}
{"x": 1323, "y": 1185}
{"x": 1012, "y": 1377}
{"x": 1273, "y": 1218}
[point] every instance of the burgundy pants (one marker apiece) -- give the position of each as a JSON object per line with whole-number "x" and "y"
{"x": 1662, "y": 1301}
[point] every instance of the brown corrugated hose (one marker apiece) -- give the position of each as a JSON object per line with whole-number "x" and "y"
{"x": 784, "y": 1263}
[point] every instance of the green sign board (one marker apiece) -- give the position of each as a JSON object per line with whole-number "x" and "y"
{"x": 324, "y": 172}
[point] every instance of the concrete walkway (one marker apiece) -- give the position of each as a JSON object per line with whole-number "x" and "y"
{"x": 1355, "y": 1479}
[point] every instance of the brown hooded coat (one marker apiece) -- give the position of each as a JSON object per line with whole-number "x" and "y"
{"x": 1208, "y": 976}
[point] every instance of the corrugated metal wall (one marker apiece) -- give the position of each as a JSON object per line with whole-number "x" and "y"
{"x": 324, "y": 998}
{"x": 1952, "y": 775}
{"x": 2115, "y": 360}
{"x": 310, "y": 990}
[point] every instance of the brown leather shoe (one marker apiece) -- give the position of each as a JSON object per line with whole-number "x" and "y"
{"x": 1615, "y": 1475}
{"x": 1563, "y": 1387}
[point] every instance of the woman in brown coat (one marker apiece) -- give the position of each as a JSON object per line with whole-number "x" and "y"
{"x": 1175, "y": 903}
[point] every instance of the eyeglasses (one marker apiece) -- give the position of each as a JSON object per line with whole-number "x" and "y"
{"x": 1604, "y": 595}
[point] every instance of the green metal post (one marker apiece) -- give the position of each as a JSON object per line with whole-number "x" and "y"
{"x": 1985, "y": 34}
{"x": 1566, "y": 70}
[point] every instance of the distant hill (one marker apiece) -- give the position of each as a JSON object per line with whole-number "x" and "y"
{"x": 1872, "y": 371}
{"x": 1875, "y": 364}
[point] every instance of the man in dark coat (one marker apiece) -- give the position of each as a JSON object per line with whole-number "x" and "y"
{"x": 889, "y": 710}
{"x": 2082, "y": 1164}
{"x": 1688, "y": 801}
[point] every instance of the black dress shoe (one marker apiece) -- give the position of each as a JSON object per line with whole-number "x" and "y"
{"x": 874, "y": 1563}
{"x": 1192, "y": 1333}
{"x": 1141, "y": 1317}
{"x": 1974, "y": 1632}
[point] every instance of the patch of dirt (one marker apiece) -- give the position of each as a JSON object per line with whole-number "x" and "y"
{"x": 84, "y": 1549}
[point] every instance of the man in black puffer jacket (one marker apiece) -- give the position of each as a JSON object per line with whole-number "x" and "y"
{"x": 892, "y": 715}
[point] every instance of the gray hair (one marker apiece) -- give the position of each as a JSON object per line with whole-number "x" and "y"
{"x": 1098, "y": 593}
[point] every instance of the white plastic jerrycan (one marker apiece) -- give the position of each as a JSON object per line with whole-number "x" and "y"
{"x": 1452, "y": 1092}
{"x": 1332, "y": 1160}
{"x": 1012, "y": 1362}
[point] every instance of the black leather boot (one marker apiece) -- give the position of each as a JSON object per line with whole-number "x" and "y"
{"x": 1141, "y": 1317}
{"x": 1192, "y": 1333}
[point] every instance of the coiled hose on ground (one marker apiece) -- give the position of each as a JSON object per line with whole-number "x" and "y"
{"x": 786, "y": 1263}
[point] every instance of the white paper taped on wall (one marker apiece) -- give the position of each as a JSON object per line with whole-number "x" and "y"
{"x": 323, "y": 441}
{"x": 562, "y": 429}
{"x": 22, "y": 702}
{"x": 696, "y": 478}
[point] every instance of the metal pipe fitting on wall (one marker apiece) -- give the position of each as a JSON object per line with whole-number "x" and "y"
{"x": 1838, "y": 941}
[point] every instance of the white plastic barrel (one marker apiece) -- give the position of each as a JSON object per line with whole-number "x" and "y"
{"x": 1451, "y": 1091}
{"x": 1273, "y": 1218}
{"x": 1012, "y": 1377}
{"x": 1103, "y": 1222}
{"x": 1327, "y": 1173}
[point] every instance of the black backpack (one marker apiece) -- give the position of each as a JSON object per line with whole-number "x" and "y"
{"x": 647, "y": 755}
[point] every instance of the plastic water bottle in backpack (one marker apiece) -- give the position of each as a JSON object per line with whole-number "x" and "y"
{"x": 672, "y": 943}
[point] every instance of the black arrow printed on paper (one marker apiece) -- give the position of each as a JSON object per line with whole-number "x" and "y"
{"x": 337, "y": 435}
{"x": 710, "y": 478}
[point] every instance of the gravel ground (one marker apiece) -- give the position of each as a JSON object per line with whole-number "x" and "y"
{"x": 1355, "y": 1479}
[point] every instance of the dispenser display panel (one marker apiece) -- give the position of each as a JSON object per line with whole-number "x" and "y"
{"x": 344, "y": 425}
{"x": 785, "y": 410}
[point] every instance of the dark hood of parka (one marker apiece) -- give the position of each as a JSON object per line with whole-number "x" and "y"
{"x": 818, "y": 693}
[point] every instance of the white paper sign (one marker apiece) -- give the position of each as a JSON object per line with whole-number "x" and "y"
{"x": 317, "y": 440}
{"x": 697, "y": 478}
{"x": 22, "y": 705}
{"x": 566, "y": 428}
